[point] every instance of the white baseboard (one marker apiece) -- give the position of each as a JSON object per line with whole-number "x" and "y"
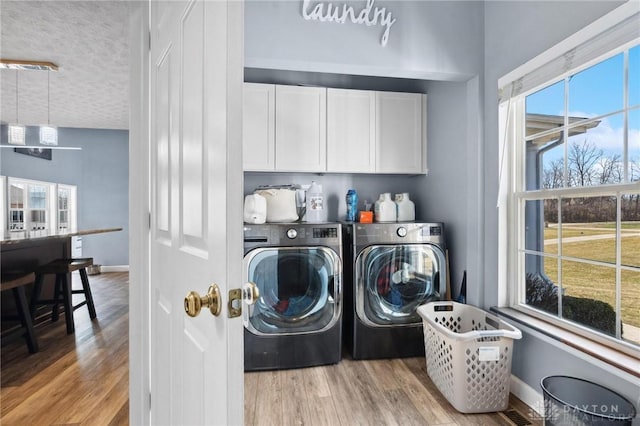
{"x": 115, "y": 268}
{"x": 529, "y": 396}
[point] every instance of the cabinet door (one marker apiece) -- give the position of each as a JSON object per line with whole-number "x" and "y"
{"x": 301, "y": 133}
{"x": 351, "y": 131}
{"x": 400, "y": 132}
{"x": 258, "y": 127}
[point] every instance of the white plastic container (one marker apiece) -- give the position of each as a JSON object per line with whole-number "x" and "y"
{"x": 468, "y": 354}
{"x": 255, "y": 209}
{"x": 384, "y": 209}
{"x": 405, "y": 208}
{"x": 316, "y": 204}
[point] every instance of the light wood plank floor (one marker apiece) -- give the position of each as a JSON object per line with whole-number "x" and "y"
{"x": 376, "y": 392}
{"x": 82, "y": 379}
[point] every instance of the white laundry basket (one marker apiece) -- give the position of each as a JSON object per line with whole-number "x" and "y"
{"x": 468, "y": 354}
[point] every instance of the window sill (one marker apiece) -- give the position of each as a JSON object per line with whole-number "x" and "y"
{"x": 616, "y": 359}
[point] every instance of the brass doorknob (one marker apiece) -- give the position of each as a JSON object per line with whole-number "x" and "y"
{"x": 193, "y": 302}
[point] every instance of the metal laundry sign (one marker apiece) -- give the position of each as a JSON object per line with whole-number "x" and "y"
{"x": 368, "y": 15}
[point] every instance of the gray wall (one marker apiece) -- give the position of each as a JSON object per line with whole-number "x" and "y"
{"x": 514, "y": 33}
{"x": 100, "y": 171}
{"x": 430, "y": 40}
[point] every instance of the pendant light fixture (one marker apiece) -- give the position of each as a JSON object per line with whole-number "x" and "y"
{"x": 17, "y": 132}
{"x": 48, "y": 134}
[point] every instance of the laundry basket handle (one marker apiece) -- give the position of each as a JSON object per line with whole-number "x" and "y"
{"x": 480, "y": 334}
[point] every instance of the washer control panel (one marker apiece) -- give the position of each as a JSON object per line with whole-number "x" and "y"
{"x": 292, "y": 234}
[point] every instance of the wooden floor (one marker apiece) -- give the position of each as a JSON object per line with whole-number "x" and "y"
{"x": 378, "y": 392}
{"x": 82, "y": 379}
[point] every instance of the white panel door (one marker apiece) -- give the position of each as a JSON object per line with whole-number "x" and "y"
{"x": 401, "y": 132}
{"x": 301, "y": 128}
{"x": 351, "y": 131}
{"x": 196, "y": 198}
{"x": 258, "y": 126}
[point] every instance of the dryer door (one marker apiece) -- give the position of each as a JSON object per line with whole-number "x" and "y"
{"x": 392, "y": 281}
{"x": 299, "y": 290}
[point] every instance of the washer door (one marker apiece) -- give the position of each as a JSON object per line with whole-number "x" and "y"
{"x": 299, "y": 290}
{"x": 392, "y": 281}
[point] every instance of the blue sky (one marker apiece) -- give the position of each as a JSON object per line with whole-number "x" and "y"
{"x": 593, "y": 92}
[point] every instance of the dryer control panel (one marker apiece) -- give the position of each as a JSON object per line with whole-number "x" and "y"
{"x": 400, "y": 232}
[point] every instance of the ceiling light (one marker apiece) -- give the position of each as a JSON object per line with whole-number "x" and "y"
{"x": 21, "y": 65}
{"x": 17, "y": 132}
{"x": 48, "y": 134}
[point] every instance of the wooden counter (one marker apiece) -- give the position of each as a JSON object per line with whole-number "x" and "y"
{"x": 26, "y": 250}
{"x": 47, "y": 234}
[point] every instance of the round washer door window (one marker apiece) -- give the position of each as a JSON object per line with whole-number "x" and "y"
{"x": 394, "y": 280}
{"x": 298, "y": 289}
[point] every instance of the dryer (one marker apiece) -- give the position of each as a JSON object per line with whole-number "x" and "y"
{"x": 297, "y": 319}
{"x": 390, "y": 270}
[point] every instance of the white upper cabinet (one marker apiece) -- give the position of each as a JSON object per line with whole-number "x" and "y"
{"x": 400, "y": 132}
{"x": 351, "y": 131}
{"x": 258, "y": 127}
{"x": 314, "y": 129}
{"x": 301, "y": 126}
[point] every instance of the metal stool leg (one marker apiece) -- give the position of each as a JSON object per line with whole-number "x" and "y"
{"x": 55, "y": 310}
{"x": 25, "y": 318}
{"x": 87, "y": 293}
{"x": 35, "y": 295}
{"x": 68, "y": 304}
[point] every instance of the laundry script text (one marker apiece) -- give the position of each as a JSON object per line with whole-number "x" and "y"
{"x": 328, "y": 12}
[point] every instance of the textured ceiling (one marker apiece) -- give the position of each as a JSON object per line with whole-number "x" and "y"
{"x": 88, "y": 40}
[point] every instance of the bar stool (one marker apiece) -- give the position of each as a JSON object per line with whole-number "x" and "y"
{"x": 63, "y": 292}
{"x": 16, "y": 282}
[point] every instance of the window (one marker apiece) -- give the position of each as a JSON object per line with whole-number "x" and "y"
{"x": 572, "y": 145}
{"x": 66, "y": 207}
{"x": 38, "y": 196}
{"x": 40, "y": 206}
{"x": 16, "y": 207}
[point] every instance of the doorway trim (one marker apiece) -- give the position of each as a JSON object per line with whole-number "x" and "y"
{"x": 139, "y": 384}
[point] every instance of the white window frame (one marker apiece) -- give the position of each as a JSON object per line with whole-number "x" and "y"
{"x": 71, "y": 207}
{"x": 512, "y": 197}
{"x": 51, "y": 209}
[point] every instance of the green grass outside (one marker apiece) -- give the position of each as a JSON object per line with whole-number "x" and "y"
{"x": 586, "y": 229}
{"x": 598, "y": 282}
{"x": 625, "y": 225}
{"x": 601, "y": 250}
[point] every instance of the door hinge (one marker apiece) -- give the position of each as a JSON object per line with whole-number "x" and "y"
{"x": 149, "y": 399}
{"x": 149, "y": 220}
{"x": 149, "y": 35}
